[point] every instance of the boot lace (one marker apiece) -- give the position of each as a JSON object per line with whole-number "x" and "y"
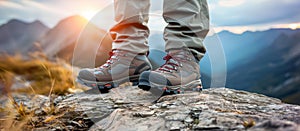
{"x": 170, "y": 65}
{"x": 112, "y": 57}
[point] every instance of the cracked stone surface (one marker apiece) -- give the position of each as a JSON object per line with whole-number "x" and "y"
{"x": 129, "y": 108}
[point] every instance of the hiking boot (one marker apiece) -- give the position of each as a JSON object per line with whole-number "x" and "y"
{"x": 180, "y": 72}
{"x": 121, "y": 67}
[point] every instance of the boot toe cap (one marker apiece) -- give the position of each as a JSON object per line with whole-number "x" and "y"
{"x": 85, "y": 74}
{"x": 149, "y": 77}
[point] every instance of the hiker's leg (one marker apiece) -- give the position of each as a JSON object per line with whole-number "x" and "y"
{"x": 128, "y": 58}
{"x": 188, "y": 25}
{"x": 131, "y": 32}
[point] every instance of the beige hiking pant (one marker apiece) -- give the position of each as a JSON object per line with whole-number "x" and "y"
{"x": 188, "y": 24}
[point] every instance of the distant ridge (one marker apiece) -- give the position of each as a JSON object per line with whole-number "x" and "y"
{"x": 19, "y": 37}
{"x": 75, "y": 33}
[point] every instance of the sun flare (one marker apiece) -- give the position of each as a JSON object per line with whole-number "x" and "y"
{"x": 89, "y": 14}
{"x": 294, "y": 26}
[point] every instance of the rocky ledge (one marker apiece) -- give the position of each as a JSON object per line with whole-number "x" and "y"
{"x": 129, "y": 108}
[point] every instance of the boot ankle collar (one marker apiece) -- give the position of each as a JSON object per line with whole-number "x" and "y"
{"x": 127, "y": 52}
{"x": 183, "y": 54}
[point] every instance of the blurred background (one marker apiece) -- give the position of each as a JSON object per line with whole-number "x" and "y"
{"x": 257, "y": 43}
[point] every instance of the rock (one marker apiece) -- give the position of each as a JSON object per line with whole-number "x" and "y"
{"x": 143, "y": 114}
{"x": 129, "y": 108}
{"x": 281, "y": 125}
{"x": 153, "y": 107}
{"x": 31, "y": 102}
{"x": 175, "y": 125}
{"x": 119, "y": 102}
{"x": 188, "y": 120}
{"x": 213, "y": 109}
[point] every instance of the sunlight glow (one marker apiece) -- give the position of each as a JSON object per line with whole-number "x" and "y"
{"x": 242, "y": 29}
{"x": 88, "y": 14}
{"x": 294, "y": 26}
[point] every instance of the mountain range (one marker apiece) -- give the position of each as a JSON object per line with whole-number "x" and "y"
{"x": 70, "y": 40}
{"x": 18, "y": 37}
{"x": 274, "y": 68}
{"x": 76, "y": 40}
{"x": 264, "y": 61}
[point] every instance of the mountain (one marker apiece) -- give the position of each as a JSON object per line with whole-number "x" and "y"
{"x": 19, "y": 37}
{"x": 273, "y": 71}
{"x": 77, "y": 41}
{"x": 240, "y": 48}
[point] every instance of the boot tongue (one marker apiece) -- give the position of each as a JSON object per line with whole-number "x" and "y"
{"x": 181, "y": 54}
{"x": 172, "y": 61}
{"x": 180, "y": 51}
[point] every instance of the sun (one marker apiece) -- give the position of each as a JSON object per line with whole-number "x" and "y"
{"x": 88, "y": 14}
{"x": 294, "y": 26}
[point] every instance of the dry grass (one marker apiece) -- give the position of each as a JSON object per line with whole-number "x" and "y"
{"x": 248, "y": 123}
{"x": 38, "y": 76}
{"x": 17, "y": 116}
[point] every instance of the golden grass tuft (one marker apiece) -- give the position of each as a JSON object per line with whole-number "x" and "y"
{"x": 37, "y": 75}
{"x": 248, "y": 123}
{"x": 40, "y": 76}
{"x": 15, "y": 116}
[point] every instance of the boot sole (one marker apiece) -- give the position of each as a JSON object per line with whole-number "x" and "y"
{"x": 104, "y": 87}
{"x": 195, "y": 85}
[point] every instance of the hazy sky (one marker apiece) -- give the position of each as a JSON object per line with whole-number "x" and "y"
{"x": 234, "y": 15}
